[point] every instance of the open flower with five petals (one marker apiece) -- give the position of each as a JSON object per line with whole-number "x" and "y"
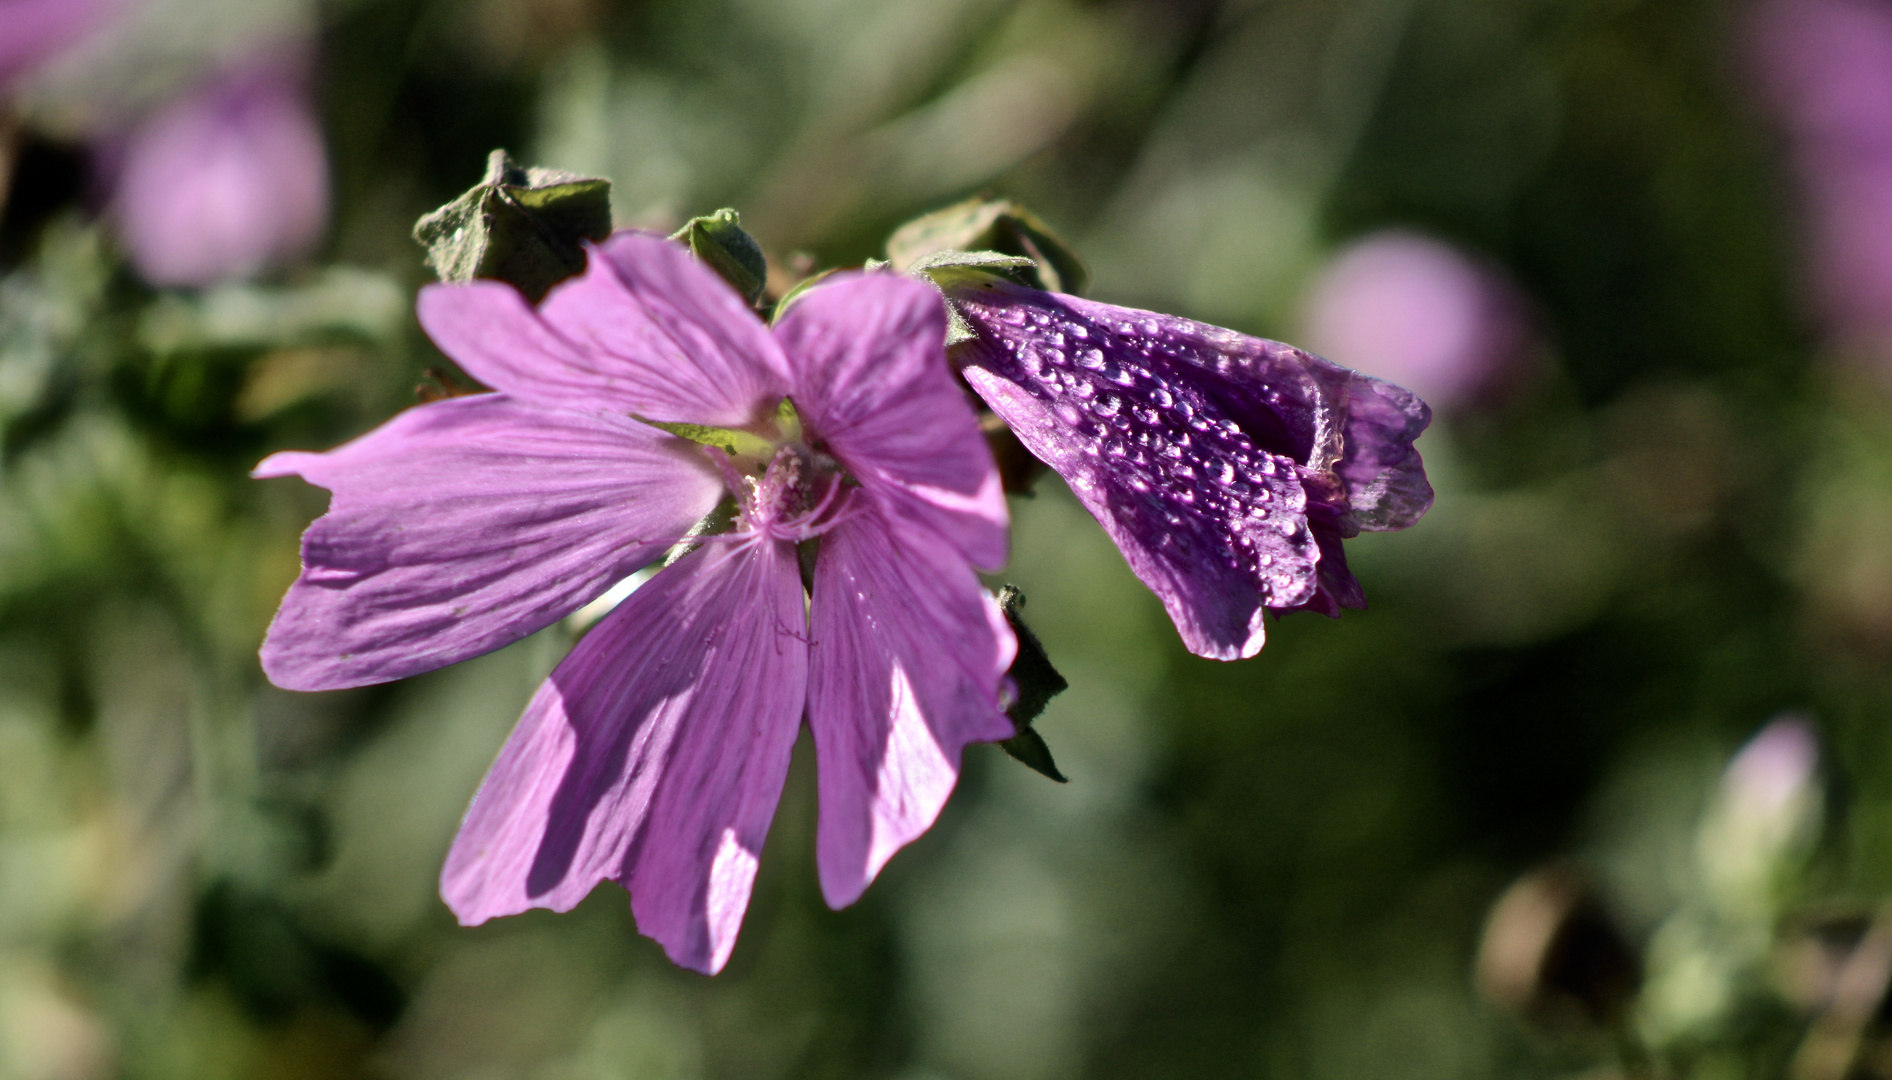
{"x": 629, "y": 405}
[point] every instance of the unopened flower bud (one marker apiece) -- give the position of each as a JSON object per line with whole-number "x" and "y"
{"x": 520, "y": 226}
{"x": 720, "y": 242}
{"x": 1764, "y": 818}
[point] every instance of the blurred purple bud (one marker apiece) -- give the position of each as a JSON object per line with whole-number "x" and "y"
{"x": 226, "y": 180}
{"x": 34, "y": 31}
{"x": 1419, "y": 313}
{"x": 1825, "y": 73}
{"x": 1764, "y": 821}
{"x": 1775, "y": 767}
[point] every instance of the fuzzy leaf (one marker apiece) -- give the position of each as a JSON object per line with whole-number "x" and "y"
{"x": 991, "y": 225}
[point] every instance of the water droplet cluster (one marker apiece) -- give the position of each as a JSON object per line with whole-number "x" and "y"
{"x": 1137, "y": 425}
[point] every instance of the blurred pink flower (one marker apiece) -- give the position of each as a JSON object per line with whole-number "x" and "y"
{"x": 34, "y": 31}
{"x": 225, "y": 181}
{"x": 1825, "y": 70}
{"x": 1419, "y": 313}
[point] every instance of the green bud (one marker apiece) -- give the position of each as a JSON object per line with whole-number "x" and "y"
{"x": 520, "y": 226}
{"x": 998, "y": 226}
{"x": 1038, "y": 682}
{"x": 719, "y": 241}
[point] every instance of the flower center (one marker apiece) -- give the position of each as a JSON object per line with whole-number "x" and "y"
{"x": 801, "y": 494}
{"x": 786, "y": 486}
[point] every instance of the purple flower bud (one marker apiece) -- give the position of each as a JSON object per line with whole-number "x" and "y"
{"x": 1226, "y": 468}
{"x": 225, "y": 181}
{"x": 1763, "y": 819}
{"x": 1775, "y": 767}
{"x": 1417, "y": 312}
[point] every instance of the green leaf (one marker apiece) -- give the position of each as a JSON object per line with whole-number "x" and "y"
{"x": 1037, "y": 682}
{"x": 521, "y": 226}
{"x": 719, "y": 241}
{"x": 991, "y": 225}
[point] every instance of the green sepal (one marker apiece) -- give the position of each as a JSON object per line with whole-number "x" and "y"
{"x": 950, "y": 270}
{"x": 719, "y": 241}
{"x": 1037, "y": 682}
{"x": 995, "y": 225}
{"x": 800, "y": 289}
{"x": 1028, "y": 748}
{"x": 993, "y": 262}
{"x": 521, "y": 226}
{"x": 732, "y": 441}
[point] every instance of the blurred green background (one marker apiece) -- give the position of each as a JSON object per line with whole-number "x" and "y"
{"x": 1664, "y": 469}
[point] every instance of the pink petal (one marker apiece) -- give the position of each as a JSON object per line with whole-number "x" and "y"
{"x": 905, "y": 660}
{"x": 462, "y": 526}
{"x": 871, "y": 380}
{"x": 1216, "y": 589}
{"x": 39, "y": 30}
{"x": 645, "y": 330}
{"x": 654, "y": 756}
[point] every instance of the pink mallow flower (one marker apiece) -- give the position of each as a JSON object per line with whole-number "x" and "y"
{"x": 1824, "y": 70}
{"x": 655, "y": 753}
{"x": 33, "y": 32}
{"x": 1420, "y": 313}
{"x": 1227, "y": 468}
{"x": 225, "y": 181}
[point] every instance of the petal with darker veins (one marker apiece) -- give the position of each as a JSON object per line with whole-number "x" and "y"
{"x": 464, "y": 525}
{"x": 906, "y": 655}
{"x": 653, "y": 756}
{"x": 646, "y": 330}
{"x": 872, "y": 381}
